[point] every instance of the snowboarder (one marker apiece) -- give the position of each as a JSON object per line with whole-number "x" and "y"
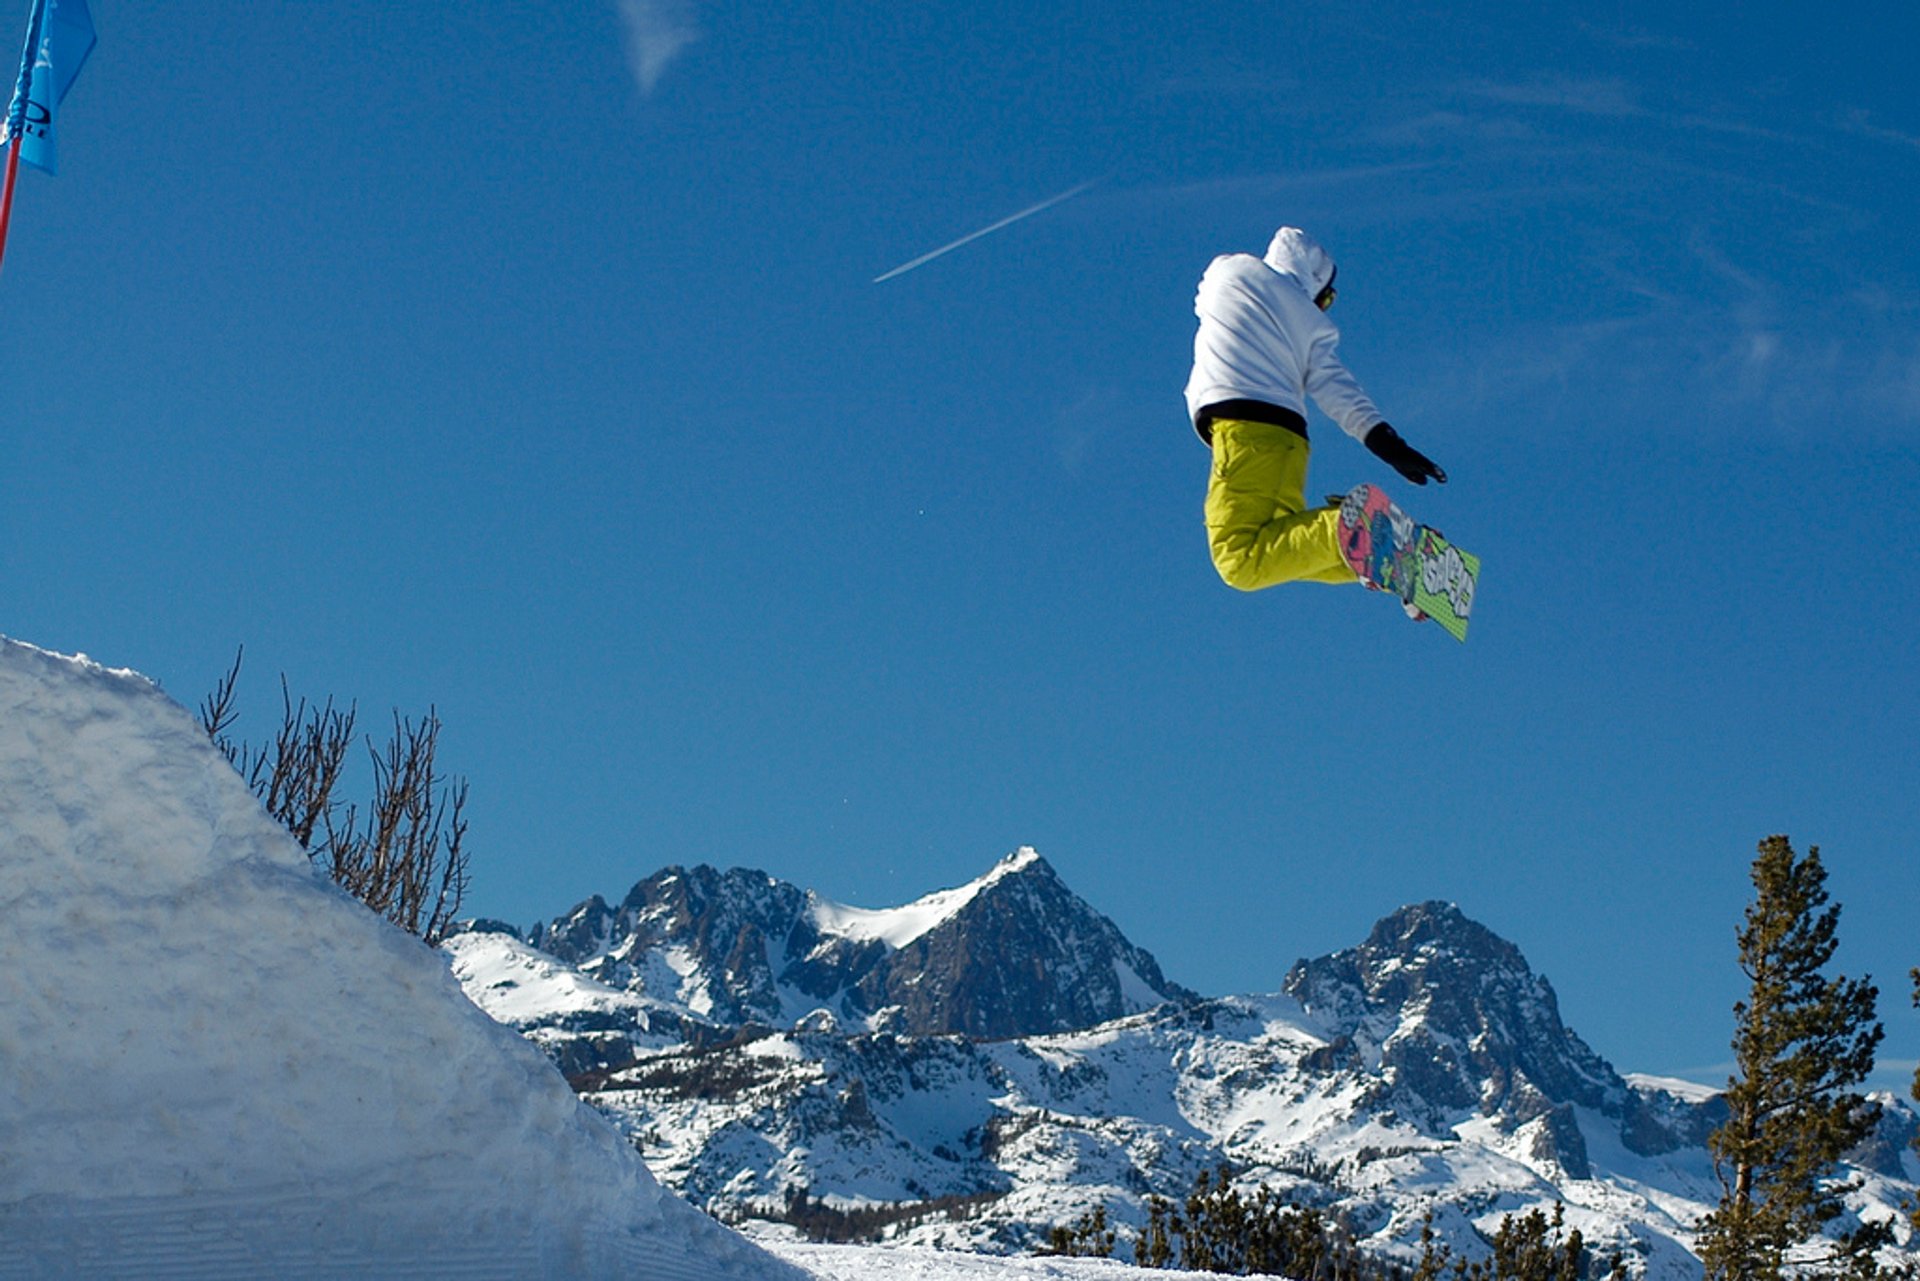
{"x": 1264, "y": 345}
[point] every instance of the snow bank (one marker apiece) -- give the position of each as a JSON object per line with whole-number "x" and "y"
{"x": 214, "y": 1064}
{"x": 917, "y": 1263}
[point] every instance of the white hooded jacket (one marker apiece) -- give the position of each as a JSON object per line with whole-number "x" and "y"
{"x": 1261, "y": 338}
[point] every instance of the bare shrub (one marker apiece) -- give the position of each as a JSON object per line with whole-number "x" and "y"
{"x": 404, "y": 855}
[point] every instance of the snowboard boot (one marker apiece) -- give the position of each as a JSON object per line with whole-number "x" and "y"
{"x": 1350, "y": 534}
{"x": 1388, "y": 552}
{"x": 1377, "y": 539}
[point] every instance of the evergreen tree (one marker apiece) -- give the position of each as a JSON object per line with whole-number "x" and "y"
{"x": 1916, "y": 1092}
{"x": 1154, "y": 1246}
{"x": 1222, "y": 1230}
{"x": 1802, "y": 1043}
{"x": 1533, "y": 1246}
{"x": 1087, "y": 1237}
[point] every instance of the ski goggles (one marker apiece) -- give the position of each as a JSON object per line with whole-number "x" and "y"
{"x": 1324, "y": 299}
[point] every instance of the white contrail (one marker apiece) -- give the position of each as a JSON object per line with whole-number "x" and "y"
{"x": 1008, "y": 221}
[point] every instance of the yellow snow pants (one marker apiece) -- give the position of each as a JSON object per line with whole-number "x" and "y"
{"x": 1259, "y": 527}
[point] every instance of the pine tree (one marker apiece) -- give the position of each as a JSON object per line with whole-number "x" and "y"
{"x": 1533, "y": 1247}
{"x": 1802, "y": 1042}
{"x": 1154, "y": 1246}
{"x": 1916, "y": 1092}
{"x": 1087, "y": 1237}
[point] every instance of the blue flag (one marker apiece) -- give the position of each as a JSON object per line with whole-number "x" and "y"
{"x": 59, "y": 38}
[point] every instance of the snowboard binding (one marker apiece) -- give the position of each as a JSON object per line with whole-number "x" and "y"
{"x": 1389, "y": 552}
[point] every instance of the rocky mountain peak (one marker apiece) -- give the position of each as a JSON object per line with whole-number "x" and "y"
{"x": 1019, "y": 952}
{"x": 1424, "y": 932}
{"x": 1012, "y": 953}
{"x": 1456, "y": 1023}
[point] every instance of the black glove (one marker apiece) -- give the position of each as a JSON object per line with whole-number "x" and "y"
{"x": 1396, "y": 453}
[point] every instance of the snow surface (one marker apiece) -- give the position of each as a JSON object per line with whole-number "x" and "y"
{"x": 899, "y": 926}
{"x": 1690, "y": 1091}
{"x": 215, "y": 1064}
{"x": 919, "y": 1263}
{"x": 516, "y": 983}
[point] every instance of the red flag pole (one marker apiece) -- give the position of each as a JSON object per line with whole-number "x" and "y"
{"x": 6, "y": 200}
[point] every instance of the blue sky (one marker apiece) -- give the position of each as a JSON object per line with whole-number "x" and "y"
{"x": 527, "y": 361}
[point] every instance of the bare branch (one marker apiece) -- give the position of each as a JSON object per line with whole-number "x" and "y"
{"x": 407, "y": 858}
{"x": 217, "y": 712}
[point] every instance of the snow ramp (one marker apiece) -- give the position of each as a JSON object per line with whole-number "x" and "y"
{"x": 215, "y": 1064}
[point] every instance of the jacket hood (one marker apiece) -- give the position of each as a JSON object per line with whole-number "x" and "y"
{"x": 1295, "y": 253}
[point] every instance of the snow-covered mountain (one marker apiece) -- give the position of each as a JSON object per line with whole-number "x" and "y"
{"x": 1013, "y": 953}
{"x": 1446, "y": 1018}
{"x": 1426, "y": 1069}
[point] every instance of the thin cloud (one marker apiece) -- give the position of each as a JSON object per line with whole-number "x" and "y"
{"x": 1730, "y": 178}
{"x": 1441, "y": 127}
{"x": 1635, "y": 38}
{"x": 1258, "y": 184}
{"x": 1216, "y": 85}
{"x": 656, "y": 31}
{"x": 988, "y": 230}
{"x": 1586, "y": 96}
{"x": 1895, "y": 1076}
{"x": 1860, "y": 124}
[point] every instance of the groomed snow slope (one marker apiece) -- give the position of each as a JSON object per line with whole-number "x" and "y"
{"x": 214, "y": 1064}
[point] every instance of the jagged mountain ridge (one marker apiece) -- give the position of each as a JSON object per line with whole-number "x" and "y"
{"x": 1013, "y": 953}
{"x": 1425, "y": 1069}
{"x": 1447, "y": 1018}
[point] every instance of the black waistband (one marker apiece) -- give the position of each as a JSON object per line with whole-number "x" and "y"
{"x": 1251, "y": 411}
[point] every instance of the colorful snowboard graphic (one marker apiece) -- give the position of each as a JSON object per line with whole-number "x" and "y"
{"x": 1393, "y": 554}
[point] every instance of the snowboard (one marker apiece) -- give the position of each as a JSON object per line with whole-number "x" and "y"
{"x": 1392, "y": 553}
